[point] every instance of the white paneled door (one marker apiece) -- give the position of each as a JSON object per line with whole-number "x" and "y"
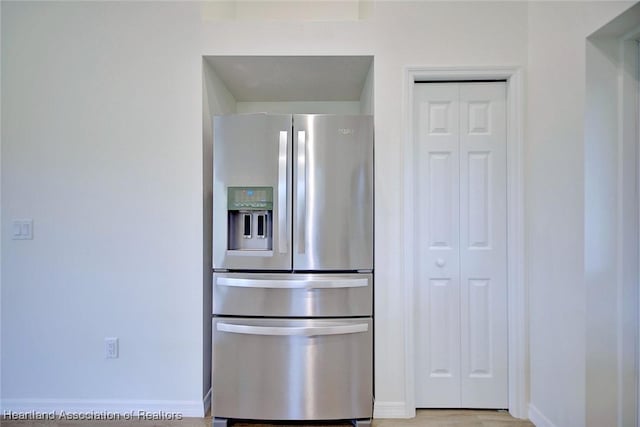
{"x": 461, "y": 191}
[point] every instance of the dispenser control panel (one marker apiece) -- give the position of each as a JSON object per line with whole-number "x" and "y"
{"x": 250, "y": 198}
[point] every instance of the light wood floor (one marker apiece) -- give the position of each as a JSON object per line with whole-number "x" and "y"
{"x": 424, "y": 418}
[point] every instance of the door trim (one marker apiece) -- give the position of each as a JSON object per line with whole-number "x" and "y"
{"x": 518, "y": 335}
{"x": 628, "y": 407}
{"x": 637, "y": 172}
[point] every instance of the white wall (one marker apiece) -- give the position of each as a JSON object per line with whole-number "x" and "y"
{"x": 555, "y": 205}
{"x": 101, "y": 146}
{"x": 286, "y": 10}
{"x": 300, "y": 107}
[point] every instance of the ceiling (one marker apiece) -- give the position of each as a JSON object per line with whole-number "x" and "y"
{"x": 292, "y": 78}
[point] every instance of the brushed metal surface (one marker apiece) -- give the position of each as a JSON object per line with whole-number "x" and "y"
{"x": 301, "y": 191}
{"x": 292, "y": 377}
{"x": 293, "y": 295}
{"x": 334, "y": 219}
{"x": 249, "y": 151}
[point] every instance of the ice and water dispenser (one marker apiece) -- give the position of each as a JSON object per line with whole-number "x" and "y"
{"x": 250, "y": 223}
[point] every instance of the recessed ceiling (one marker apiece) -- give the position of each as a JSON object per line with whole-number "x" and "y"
{"x": 292, "y": 78}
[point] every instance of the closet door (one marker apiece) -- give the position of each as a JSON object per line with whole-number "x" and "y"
{"x": 461, "y": 313}
{"x": 438, "y": 251}
{"x": 483, "y": 246}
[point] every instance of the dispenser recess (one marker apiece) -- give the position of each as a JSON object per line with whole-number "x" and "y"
{"x": 250, "y": 213}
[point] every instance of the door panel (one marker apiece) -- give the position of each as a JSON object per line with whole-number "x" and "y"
{"x": 479, "y": 340}
{"x": 333, "y": 194}
{"x": 252, "y": 150}
{"x": 438, "y": 313}
{"x": 442, "y": 228}
{"x": 483, "y": 249}
{"x": 439, "y": 317}
{"x": 461, "y": 229}
{"x": 478, "y": 199}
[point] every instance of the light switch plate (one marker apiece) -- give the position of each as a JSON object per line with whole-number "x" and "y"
{"x": 22, "y": 229}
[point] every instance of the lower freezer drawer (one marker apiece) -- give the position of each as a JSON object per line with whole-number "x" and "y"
{"x": 292, "y": 369}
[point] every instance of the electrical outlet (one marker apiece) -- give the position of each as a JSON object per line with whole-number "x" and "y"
{"x": 111, "y": 350}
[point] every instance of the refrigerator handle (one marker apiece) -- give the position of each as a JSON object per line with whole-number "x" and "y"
{"x": 302, "y": 190}
{"x": 305, "y": 331}
{"x": 283, "y": 238}
{"x": 319, "y": 283}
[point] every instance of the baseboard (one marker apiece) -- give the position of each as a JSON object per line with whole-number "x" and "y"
{"x": 98, "y": 409}
{"x": 390, "y": 410}
{"x": 538, "y": 418}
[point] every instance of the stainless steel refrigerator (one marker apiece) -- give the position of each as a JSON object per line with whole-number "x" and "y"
{"x": 293, "y": 268}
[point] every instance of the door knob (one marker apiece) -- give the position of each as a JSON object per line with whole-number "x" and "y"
{"x": 440, "y": 262}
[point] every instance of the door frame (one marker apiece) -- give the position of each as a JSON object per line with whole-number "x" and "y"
{"x": 517, "y": 301}
{"x": 629, "y": 225}
{"x": 616, "y": 45}
{"x": 637, "y": 171}
{"x": 629, "y": 187}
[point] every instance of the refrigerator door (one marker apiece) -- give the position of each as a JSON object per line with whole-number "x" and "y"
{"x": 292, "y": 295}
{"x": 292, "y": 369}
{"x": 333, "y": 199}
{"x": 254, "y": 151}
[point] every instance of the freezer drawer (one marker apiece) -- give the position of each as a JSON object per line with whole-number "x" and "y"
{"x": 292, "y": 295}
{"x": 303, "y": 369}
